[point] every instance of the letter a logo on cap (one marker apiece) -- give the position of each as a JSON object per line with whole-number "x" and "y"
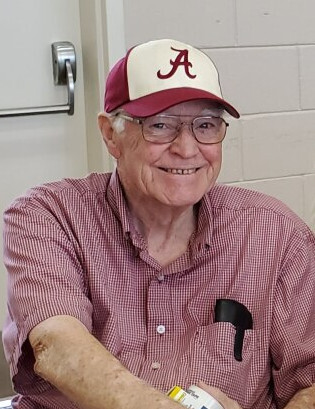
{"x": 181, "y": 59}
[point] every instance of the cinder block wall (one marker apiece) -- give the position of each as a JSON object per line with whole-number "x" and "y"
{"x": 5, "y": 382}
{"x": 265, "y": 53}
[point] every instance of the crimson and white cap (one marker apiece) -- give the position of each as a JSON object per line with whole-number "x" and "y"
{"x": 159, "y": 74}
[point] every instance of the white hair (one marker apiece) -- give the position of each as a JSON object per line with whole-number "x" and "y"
{"x": 118, "y": 123}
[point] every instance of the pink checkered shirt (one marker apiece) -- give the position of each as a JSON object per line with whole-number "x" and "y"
{"x": 71, "y": 248}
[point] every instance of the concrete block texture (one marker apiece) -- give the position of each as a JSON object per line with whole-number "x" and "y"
{"x": 232, "y": 153}
{"x": 214, "y": 24}
{"x": 272, "y": 22}
{"x": 259, "y": 80}
{"x": 278, "y": 145}
{"x": 288, "y": 190}
{"x": 204, "y": 23}
{"x": 307, "y": 76}
{"x": 5, "y": 381}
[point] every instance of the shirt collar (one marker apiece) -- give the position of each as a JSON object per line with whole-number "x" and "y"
{"x": 118, "y": 203}
{"x": 205, "y": 221}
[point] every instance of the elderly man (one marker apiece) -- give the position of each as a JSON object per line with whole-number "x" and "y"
{"x": 122, "y": 285}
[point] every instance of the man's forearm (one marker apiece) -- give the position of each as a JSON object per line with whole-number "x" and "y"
{"x": 71, "y": 359}
{"x": 304, "y": 399}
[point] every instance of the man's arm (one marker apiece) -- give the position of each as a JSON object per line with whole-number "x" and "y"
{"x": 71, "y": 359}
{"x": 304, "y": 399}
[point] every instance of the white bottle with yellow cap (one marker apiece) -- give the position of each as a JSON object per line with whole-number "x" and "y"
{"x": 194, "y": 398}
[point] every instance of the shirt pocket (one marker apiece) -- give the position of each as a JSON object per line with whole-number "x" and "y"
{"x": 212, "y": 359}
{"x": 217, "y": 340}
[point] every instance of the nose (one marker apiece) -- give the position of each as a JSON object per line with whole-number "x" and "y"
{"x": 185, "y": 143}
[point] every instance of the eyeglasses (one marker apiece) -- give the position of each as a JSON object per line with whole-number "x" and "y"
{"x": 161, "y": 129}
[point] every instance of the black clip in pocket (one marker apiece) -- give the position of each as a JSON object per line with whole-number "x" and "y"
{"x": 238, "y": 315}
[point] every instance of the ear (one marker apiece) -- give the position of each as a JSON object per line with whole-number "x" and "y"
{"x": 109, "y": 135}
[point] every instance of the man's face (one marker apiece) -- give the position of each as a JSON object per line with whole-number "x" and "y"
{"x": 175, "y": 174}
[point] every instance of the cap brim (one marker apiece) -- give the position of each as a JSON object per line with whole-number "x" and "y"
{"x": 159, "y": 101}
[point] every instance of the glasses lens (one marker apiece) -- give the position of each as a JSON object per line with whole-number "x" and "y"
{"x": 164, "y": 128}
{"x": 159, "y": 128}
{"x": 209, "y": 129}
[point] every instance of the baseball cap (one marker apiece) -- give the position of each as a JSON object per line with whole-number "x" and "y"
{"x": 156, "y": 75}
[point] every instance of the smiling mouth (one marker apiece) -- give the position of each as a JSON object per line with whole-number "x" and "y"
{"x": 175, "y": 171}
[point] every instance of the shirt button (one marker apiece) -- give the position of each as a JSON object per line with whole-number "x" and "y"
{"x": 160, "y": 277}
{"x": 160, "y": 329}
{"x": 155, "y": 365}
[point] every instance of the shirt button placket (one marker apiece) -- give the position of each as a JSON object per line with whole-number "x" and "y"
{"x": 155, "y": 314}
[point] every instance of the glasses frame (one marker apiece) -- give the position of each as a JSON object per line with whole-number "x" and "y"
{"x": 140, "y": 121}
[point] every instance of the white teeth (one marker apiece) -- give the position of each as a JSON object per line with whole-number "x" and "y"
{"x": 181, "y": 171}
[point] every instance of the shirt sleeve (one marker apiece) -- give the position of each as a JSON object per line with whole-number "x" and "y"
{"x": 46, "y": 277}
{"x": 293, "y": 333}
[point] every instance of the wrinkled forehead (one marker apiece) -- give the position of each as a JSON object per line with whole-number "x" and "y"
{"x": 195, "y": 107}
